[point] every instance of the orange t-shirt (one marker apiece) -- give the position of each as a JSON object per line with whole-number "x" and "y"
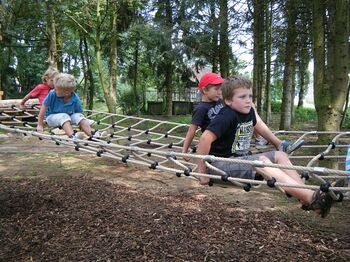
{"x": 40, "y": 91}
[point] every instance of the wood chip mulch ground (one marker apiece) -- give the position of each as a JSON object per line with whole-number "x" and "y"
{"x": 83, "y": 219}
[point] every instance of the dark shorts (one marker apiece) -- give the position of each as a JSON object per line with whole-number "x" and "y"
{"x": 238, "y": 169}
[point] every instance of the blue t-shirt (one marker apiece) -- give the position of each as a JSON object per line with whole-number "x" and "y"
{"x": 56, "y": 105}
{"x": 204, "y": 112}
{"x": 234, "y": 131}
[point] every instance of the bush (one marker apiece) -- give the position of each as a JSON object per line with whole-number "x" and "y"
{"x": 276, "y": 107}
{"x": 305, "y": 114}
{"x": 301, "y": 114}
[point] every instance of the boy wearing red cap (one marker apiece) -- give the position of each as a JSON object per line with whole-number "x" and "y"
{"x": 210, "y": 105}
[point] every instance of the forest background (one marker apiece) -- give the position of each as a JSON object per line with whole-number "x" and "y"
{"x": 123, "y": 50}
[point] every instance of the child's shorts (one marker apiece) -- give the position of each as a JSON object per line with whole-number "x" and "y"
{"x": 55, "y": 120}
{"x": 240, "y": 170}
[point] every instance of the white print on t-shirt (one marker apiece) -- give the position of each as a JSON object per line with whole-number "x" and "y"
{"x": 243, "y": 136}
{"x": 212, "y": 112}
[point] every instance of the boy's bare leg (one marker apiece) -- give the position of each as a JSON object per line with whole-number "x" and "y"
{"x": 85, "y": 127}
{"x": 283, "y": 159}
{"x": 67, "y": 127}
{"x": 303, "y": 195}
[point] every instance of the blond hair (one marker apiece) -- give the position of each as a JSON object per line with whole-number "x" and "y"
{"x": 50, "y": 73}
{"x": 232, "y": 83}
{"x": 63, "y": 81}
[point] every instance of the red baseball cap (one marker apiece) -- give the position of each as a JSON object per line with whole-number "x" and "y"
{"x": 210, "y": 79}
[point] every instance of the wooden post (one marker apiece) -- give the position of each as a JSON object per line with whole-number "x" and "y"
{"x": 1, "y": 94}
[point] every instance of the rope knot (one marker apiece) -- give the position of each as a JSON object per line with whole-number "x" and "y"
{"x": 271, "y": 182}
{"x": 325, "y": 187}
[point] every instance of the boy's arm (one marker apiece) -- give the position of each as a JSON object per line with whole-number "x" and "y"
{"x": 204, "y": 146}
{"x": 40, "y": 126}
{"x": 25, "y": 99}
{"x": 263, "y": 130}
{"x": 78, "y": 106}
{"x": 189, "y": 137}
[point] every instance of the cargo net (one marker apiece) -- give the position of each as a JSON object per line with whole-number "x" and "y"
{"x": 157, "y": 144}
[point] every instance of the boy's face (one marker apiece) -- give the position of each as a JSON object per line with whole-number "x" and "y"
{"x": 64, "y": 92}
{"x": 241, "y": 101}
{"x": 49, "y": 82}
{"x": 212, "y": 93}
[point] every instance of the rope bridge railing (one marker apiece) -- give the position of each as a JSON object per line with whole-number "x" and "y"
{"x": 157, "y": 144}
{"x": 124, "y": 153}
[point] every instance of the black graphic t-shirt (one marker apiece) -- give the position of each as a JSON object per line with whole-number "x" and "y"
{"x": 204, "y": 112}
{"x": 234, "y": 131}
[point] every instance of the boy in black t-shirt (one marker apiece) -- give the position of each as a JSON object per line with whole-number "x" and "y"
{"x": 229, "y": 134}
{"x": 210, "y": 105}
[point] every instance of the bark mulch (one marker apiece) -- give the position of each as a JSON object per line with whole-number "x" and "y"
{"x": 84, "y": 219}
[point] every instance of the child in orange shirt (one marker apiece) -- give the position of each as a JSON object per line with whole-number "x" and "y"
{"x": 41, "y": 90}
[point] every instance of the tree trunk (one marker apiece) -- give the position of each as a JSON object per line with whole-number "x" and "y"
{"x": 340, "y": 45}
{"x": 214, "y": 41}
{"x": 292, "y": 99}
{"x": 113, "y": 61}
{"x": 288, "y": 74}
{"x": 303, "y": 76}
{"x": 259, "y": 53}
{"x": 301, "y": 94}
{"x": 83, "y": 63}
{"x": 111, "y": 103}
{"x": 319, "y": 58}
{"x": 168, "y": 90}
{"x": 51, "y": 31}
{"x": 268, "y": 30}
{"x": 304, "y": 51}
{"x": 225, "y": 53}
{"x": 330, "y": 91}
{"x": 90, "y": 77}
{"x": 331, "y": 75}
{"x": 168, "y": 72}
{"x": 136, "y": 61}
{"x": 346, "y": 106}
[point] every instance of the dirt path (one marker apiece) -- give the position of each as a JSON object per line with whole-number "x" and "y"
{"x": 58, "y": 204}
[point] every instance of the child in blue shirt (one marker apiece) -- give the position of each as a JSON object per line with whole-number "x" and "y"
{"x": 62, "y": 107}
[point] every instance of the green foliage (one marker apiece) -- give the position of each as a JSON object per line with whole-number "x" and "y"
{"x": 126, "y": 99}
{"x": 305, "y": 114}
{"x": 300, "y": 114}
{"x": 346, "y": 124}
{"x": 186, "y": 119}
{"x": 276, "y": 90}
{"x": 275, "y": 106}
{"x": 22, "y": 54}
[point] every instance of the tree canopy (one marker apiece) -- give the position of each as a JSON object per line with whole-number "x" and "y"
{"x": 123, "y": 51}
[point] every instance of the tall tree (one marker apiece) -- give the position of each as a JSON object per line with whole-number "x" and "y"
{"x": 111, "y": 103}
{"x": 259, "y": 53}
{"x": 290, "y": 51}
{"x": 164, "y": 17}
{"x": 113, "y": 56}
{"x": 52, "y": 34}
{"x": 224, "y": 43}
{"x": 331, "y": 60}
{"x": 268, "y": 40}
{"x": 214, "y": 23}
{"x": 303, "y": 50}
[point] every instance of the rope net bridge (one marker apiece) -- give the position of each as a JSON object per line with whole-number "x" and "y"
{"x": 157, "y": 144}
